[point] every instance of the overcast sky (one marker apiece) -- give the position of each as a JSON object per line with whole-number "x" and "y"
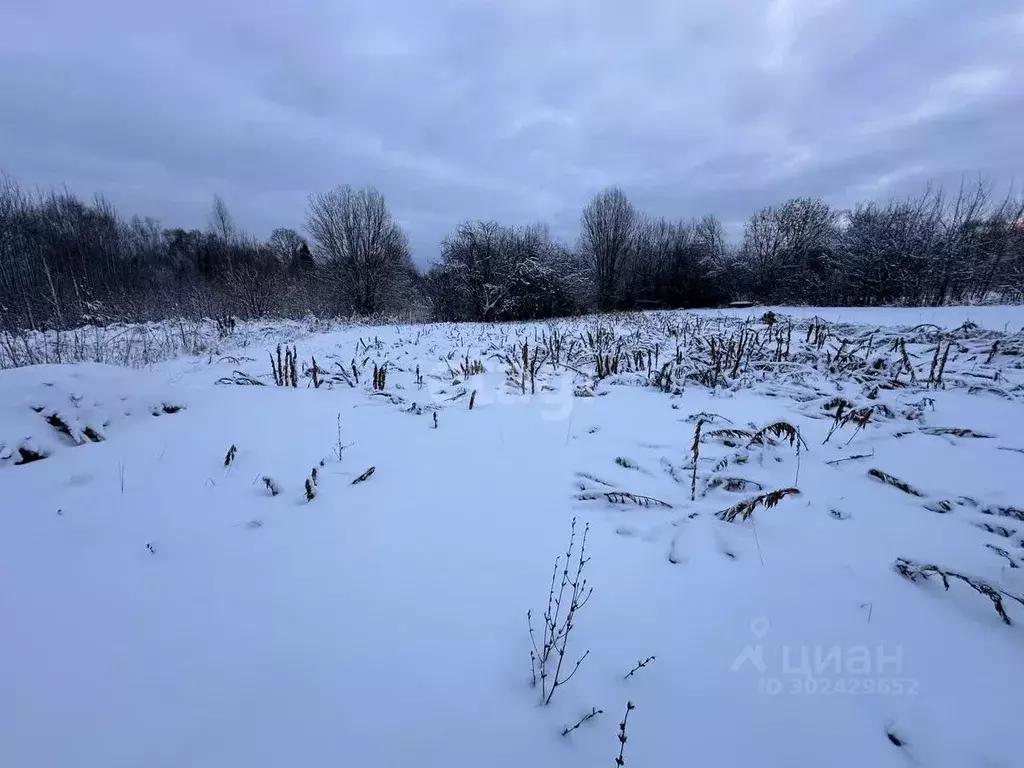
{"x": 516, "y": 110}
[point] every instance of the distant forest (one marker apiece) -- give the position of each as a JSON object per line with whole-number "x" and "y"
{"x": 66, "y": 262}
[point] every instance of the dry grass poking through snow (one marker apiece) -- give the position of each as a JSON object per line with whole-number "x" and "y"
{"x": 766, "y": 461}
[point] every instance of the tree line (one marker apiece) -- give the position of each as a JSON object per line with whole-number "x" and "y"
{"x": 66, "y": 262}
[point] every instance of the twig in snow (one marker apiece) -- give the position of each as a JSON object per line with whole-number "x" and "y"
{"x": 870, "y": 607}
{"x": 620, "y": 761}
{"x": 558, "y": 626}
{"x": 365, "y": 476}
{"x": 594, "y": 712}
{"x": 799, "y": 440}
{"x": 639, "y": 665}
{"x": 895, "y": 739}
{"x": 695, "y": 455}
{"x": 836, "y": 462}
{"x": 757, "y": 541}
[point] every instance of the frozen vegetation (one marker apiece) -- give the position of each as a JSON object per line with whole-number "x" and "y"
{"x": 756, "y": 537}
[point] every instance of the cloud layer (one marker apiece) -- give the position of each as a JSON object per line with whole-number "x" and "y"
{"x": 516, "y": 110}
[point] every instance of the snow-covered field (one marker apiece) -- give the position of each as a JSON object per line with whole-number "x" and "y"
{"x": 170, "y": 597}
{"x": 997, "y": 318}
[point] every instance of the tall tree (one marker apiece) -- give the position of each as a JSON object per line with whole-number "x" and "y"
{"x": 354, "y": 233}
{"x": 609, "y": 230}
{"x": 789, "y": 249}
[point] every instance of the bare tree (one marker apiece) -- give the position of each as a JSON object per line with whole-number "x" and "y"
{"x": 1003, "y": 267}
{"x": 789, "y": 249}
{"x": 478, "y": 257}
{"x": 285, "y": 243}
{"x": 354, "y": 233}
{"x": 609, "y": 228}
{"x": 65, "y": 261}
{"x": 221, "y": 223}
{"x": 959, "y": 251}
{"x": 887, "y": 250}
{"x": 762, "y": 252}
{"x": 489, "y": 272}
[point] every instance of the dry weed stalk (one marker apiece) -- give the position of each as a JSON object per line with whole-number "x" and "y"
{"x": 533, "y": 365}
{"x": 955, "y": 432}
{"x": 992, "y": 352}
{"x": 909, "y": 569}
{"x": 942, "y": 365}
{"x": 342, "y": 374}
{"x": 894, "y": 481}
{"x": 594, "y": 712}
{"x": 730, "y": 436}
{"x": 836, "y": 462}
{"x": 293, "y": 368}
{"x": 847, "y": 413}
{"x": 380, "y": 377}
{"x": 938, "y": 367}
{"x": 526, "y": 364}
{"x": 900, "y": 345}
{"x": 546, "y": 660}
{"x": 365, "y": 476}
{"x": 242, "y": 379}
{"x": 467, "y": 368}
{"x": 623, "y": 497}
{"x": 695, "y": 457}
{"x": 338, "y": 447}
{"x": 744, "y": 509}
{"x": 639, "y": 665}
{"x": 608, "y": 364}
{"x": 781, "y": 430}
{"x": 620, "y": 761}
{"x": 1003, "y": 553}
{"x": 225, "y": 326}
{"x": 285, "y": 370}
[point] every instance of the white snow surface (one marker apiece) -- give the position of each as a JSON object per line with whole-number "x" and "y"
{"x": 992, "y": 317}
{"x": 163, "y": 609}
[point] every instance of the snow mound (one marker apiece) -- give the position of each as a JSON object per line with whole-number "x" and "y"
{"x": 48, "y": 408}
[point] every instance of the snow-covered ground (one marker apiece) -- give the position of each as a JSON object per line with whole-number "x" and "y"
{"x": 999, "y": 318}
{"x": 162, "y": 607}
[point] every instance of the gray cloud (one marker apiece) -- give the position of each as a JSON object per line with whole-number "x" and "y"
{"x": 518, "y": 111}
